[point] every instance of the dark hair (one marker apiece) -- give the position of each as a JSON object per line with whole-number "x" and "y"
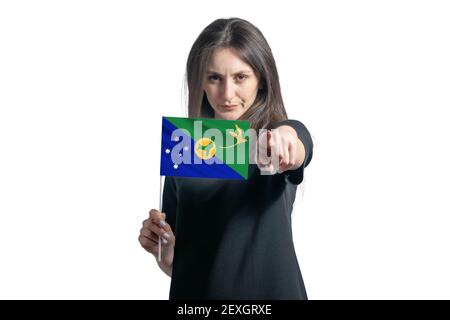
{"x": 251, "y": 46}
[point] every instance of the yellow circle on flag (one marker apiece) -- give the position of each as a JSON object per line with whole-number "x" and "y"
{"x": 205, "y": 148}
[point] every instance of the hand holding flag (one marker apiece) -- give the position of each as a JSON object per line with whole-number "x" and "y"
{"x": 201, "y": 148}
{"x": 153, "y": 229}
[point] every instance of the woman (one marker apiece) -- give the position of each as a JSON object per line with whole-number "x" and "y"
{"x": 233, "y": 237}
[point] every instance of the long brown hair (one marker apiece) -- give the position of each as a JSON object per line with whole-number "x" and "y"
{"x": 251, "y": 46}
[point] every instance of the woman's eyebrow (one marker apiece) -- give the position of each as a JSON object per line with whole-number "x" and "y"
{"x": 236, "y": 73}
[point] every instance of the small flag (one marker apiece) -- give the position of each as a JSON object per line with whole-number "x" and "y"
{"x": 205, "y": 148}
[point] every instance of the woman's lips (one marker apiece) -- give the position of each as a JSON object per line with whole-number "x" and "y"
{"x": 230, "y": 106}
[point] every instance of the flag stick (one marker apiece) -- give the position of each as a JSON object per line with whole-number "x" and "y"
{"x": 160, "y": 208}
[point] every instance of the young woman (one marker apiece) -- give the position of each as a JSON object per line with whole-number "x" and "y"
{"x": 234, "y": 237}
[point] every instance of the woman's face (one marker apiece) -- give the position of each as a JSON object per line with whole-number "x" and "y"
{"x": 230, "y": 84}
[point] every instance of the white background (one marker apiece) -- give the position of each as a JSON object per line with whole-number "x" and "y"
{"x": 83, "y": 86}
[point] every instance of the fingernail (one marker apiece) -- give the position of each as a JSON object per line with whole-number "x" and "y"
{"x": 166, "y": 235}
{"x": 165, "y": 241}
{"x": 162, "y": 223}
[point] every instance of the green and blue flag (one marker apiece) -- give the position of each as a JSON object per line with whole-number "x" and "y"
{"x": 205, "y": 148}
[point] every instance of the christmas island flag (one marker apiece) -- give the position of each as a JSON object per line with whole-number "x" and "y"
{"x": 204, "y": 148}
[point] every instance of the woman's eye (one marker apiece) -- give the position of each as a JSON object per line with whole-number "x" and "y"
{"x": 239, "y": 77}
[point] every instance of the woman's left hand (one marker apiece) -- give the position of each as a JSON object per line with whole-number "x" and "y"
{"x": 285, "y": 151}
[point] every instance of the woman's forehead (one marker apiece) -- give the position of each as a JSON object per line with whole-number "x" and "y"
{"x": 225, "y": 60}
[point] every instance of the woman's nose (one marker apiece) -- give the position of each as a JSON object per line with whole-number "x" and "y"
{"x": 229, "y": 90}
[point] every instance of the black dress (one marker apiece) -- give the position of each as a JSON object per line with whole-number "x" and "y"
{"x": 234, "y": 237}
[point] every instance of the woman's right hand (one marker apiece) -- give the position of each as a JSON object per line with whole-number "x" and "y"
{"x": 152, "y": 228}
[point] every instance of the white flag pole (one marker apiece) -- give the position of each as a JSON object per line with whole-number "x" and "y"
{"x": 160, "y": 208}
